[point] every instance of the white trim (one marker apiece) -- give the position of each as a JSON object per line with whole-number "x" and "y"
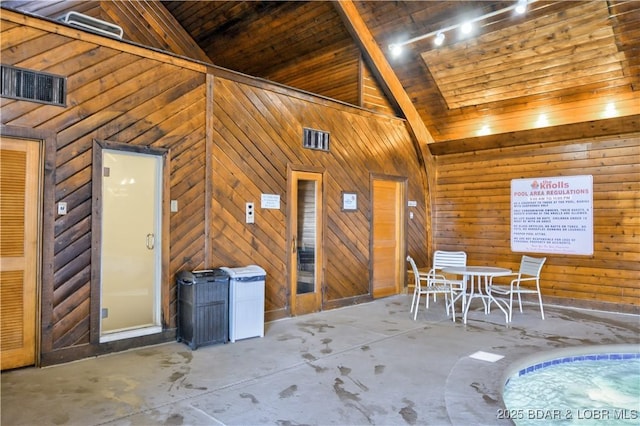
{"x": 127, "y": 334}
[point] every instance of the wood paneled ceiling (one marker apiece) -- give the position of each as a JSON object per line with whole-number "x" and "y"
{"x": 562, "y": 70}
{"x": 564, "y": 66}
{"x": 532, "y": 57}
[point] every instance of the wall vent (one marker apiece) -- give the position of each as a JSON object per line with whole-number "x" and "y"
{"x": 315, "y": 139}
{"x": 92, "y": 24}
{"x": 18, "y": 83}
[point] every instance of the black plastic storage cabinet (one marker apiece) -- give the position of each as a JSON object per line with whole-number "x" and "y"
{"x": 203, "y": 307}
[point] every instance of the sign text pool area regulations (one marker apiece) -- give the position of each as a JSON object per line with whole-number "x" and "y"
{"x": 552, "y": 215}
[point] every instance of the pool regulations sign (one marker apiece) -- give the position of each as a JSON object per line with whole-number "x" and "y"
{"x": 552, "y": 215}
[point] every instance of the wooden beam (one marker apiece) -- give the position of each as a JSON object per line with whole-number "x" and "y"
{"x": 618, "y": 126}
{"x": 393, "y": 88}
{"x": 370, "y": 49}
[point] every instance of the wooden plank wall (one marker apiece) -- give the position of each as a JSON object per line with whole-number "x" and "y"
{"x": 337, "y": 72}
{"x": 145, "y": 22}
{"x": 149, "y": 23}
{"x": 120, "y": 97}
{"x": 333, "y": 73}
{"x": 472, "y": 213}
{"x": 373, "y": 97}
{"x": 127, "y": 94}
{"x": 340, "y": 74}
{"x": 257, "y": 134}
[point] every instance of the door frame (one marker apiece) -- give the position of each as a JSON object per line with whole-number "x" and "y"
{"x": 96, "y": 231}
{"x": 319, "y": 254}
{"x": 46, "y": 231}
{"x": 402, "y": 224}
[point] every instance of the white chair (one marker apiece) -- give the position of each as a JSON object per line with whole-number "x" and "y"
{"x": 443, "y": 259}
{"x": 433, "y": 284}
{"x": 530, "y": 268}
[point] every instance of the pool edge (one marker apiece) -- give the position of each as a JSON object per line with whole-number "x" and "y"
{"x": 540, "y": 357}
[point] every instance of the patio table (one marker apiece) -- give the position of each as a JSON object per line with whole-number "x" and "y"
{"x": 485, "y": 275}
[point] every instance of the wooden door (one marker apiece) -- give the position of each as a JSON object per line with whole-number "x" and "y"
{"x": 388, "y": 239}
{"x": 19, "y": 219}
{"x": 305, "y": 230}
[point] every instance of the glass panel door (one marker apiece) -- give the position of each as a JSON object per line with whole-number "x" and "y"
{"x": 306, "y": 237}
{"x": 305, "y": 225}
{"x": 131, "y": 206}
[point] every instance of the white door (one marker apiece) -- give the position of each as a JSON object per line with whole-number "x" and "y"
{"x": 130, "y": 249}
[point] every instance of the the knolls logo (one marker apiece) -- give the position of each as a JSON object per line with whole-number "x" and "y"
{"x": 549, "y": 184}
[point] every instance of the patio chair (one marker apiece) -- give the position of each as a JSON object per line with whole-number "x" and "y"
{"x": 430, "y": 283}
{"x": 443, "y": 259}
{"x": 529, "y": 272}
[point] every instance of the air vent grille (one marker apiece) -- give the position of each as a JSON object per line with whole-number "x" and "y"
{"x": 18, "y": 83}
{"x": 315, "y": 139}
{"x": 92, "y": 24}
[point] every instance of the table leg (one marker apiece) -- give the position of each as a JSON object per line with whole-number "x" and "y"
{"x": 466, "y": 307}
{"x": 493, "y": 299}
{"x": 483, "y": 294}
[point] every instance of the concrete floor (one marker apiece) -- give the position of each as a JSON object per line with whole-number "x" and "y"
{"x": 364, "y": 364}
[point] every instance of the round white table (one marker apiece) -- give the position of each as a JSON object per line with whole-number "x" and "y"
{"x": 486, "y": 272}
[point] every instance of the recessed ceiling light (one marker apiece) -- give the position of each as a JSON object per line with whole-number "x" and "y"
{"x": 439, "y": 39}
{"x": 542, "y": 120}
{"x": 484, "y": 131}
{"x": 466, "y": 28}
{"x": 610, "y": 110}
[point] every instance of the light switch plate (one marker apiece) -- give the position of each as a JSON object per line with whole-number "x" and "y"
{"x": 250, "y": 214}
{"x": 62, "y": 207}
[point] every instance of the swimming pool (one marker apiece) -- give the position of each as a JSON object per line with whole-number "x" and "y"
{"x": 588, "y": 385}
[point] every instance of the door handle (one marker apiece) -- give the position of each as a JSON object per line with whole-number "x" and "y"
{"x": 293, "y": 245}
{"x": 151, "y": 241}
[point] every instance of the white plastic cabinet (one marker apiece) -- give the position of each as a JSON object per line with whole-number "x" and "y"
{"x": 246, "y": 302}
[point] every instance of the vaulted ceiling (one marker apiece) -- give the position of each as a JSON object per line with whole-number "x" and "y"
{"x": 563, "y": 69}
{"x": 561, "y": 63}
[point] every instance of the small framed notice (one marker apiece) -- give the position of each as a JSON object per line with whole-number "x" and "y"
{"x": 270, "y": 201}
{"x": 349, "y": 201}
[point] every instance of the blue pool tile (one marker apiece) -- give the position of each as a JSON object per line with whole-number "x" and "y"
{"x": 592, "y": 357}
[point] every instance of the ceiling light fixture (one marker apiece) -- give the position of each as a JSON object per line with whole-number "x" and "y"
{"x": 610, "y": 110}
{"x": 484, "y": 130}
{"x": 542, "y": 120}
{"x": 395, "y": 48}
